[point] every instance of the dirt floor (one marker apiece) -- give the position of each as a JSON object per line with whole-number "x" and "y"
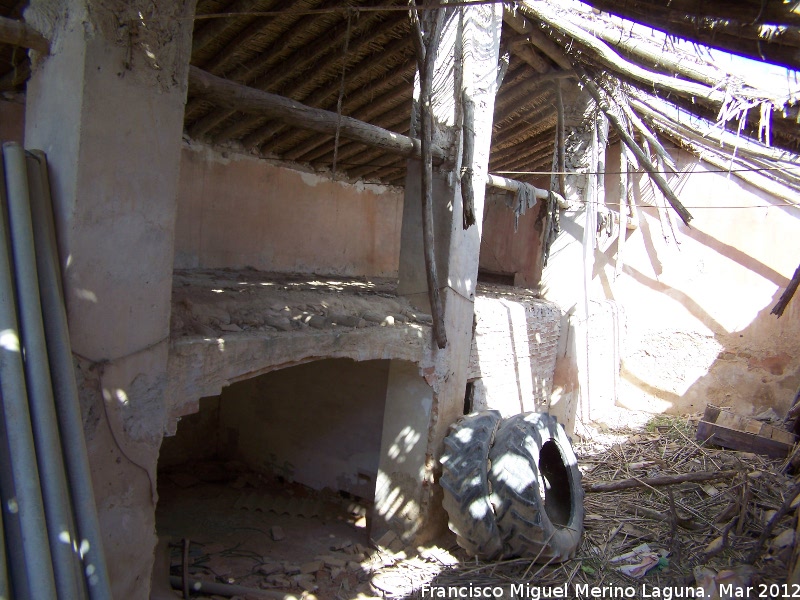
{"x": 246, "y": 530}
{"x": 738, "y": 528}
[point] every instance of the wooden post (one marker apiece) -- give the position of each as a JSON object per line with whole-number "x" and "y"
{"x": 426, "y": 57}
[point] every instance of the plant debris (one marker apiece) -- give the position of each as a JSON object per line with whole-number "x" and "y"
{"x": 703, "y": 533}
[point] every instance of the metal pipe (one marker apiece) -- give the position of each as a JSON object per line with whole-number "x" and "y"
{"x": 512, "y": 185}
{"x": 55, "y": 494}
{"x": 65, "y": 388}
{"x": 4, "y": 593}
{"x": 12, "y": 533}
{"x": 27, "y": 492}
{"x": 229, "y": 590}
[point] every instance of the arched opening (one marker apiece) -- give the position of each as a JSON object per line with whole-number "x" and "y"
{"x": 277, "y": 473}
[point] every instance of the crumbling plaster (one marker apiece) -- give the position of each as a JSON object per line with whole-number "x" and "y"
{"x": 686, "y": 314}
{"x": 698, "y": 301}
{"x": 514, "y": 348}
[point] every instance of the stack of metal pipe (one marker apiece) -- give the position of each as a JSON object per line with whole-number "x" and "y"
{"x": 51, "y": 546}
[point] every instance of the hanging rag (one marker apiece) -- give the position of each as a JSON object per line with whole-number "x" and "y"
{"x": 552, "y": 225}
{"x": 524, "y": 198}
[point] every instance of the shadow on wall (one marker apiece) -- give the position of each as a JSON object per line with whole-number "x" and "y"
{"x": 698, "y": 301}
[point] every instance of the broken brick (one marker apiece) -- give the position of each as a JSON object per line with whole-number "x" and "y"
{"x": 311, "y": 567}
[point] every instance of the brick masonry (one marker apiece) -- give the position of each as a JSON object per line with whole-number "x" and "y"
{"x": 514, "y": 350}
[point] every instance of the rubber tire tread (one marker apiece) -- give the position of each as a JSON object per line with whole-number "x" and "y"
{"x": 514, "y": 476}
{"x": 465, "y": 482}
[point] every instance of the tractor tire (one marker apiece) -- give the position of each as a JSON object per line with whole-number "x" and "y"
{"x": 537, "y": 489}
{"x": 465, "y": 482}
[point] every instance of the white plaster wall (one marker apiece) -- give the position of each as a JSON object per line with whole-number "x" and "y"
{"x": 236, "y": 211}
{"x": 318, "y": 424}
{"x": 697, "y": 327}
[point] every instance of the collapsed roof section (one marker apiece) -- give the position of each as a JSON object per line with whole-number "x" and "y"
{"x": 355, "y": 58}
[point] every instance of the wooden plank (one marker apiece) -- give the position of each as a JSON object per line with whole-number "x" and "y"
{"x": 741, "y": 440}
{"x": 725, "y": 418}
{"x": 711, "y": 413}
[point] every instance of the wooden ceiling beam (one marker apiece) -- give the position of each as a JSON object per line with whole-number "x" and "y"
{"x": 602, "y": 53}
{"x": 271, "y": 129}
{"x": 369, "y": 113}
{"x": 295, "y": 68}
{"x": 498, "y": 159}
{"x": 19, "y": 33}
{"x": 295, "y": 29}
{"x": 522, "y": 128}
{"x": 703, "y": 22}
{"x": 753, "y": 12}
{"x": 207, "y": 31}
{"x": 391, "y": 120}
{"x": 261, "y": 134}
{"x": 517, "y": 21}
{"x": 239, "y": 97}
{"x": 286, "y": 41}
{"x": 523, "y": 107}
{"x": 363, "y": 155}
{"x": 319, "y": 55}
{"x": 524, "y": 49}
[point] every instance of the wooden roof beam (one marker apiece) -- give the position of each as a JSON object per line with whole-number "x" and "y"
{"x": 605, "y": 55}
{"x": 238, "y": 97}
{"x": 517, "y": 21}
{"x": 391, "y": 120}
{"x": 207, "y": 31}
{"x": 747, "y": 38}
{"x": 327, "y": 94}
{"x": 19, "y": 33}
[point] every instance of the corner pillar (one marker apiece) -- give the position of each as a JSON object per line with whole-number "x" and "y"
{"x": 107, "y": 108}
{"x": 466, "y": 66}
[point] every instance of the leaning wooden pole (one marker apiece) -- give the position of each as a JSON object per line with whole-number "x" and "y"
{"x": 426, "y": 58}
{"x": 634, "y": 147}
{"x": 787, "y": 295}
{"x": 561, "y": 144}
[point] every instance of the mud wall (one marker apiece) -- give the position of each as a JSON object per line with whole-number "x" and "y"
{"x": 698, "y": 303}
{"x": 318, "y": 424}
{"x": 12, "y": 120}
{"x": 506, "y": 250}
{"x": 695, "y": 323}
{"x": 236, "y": 211}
